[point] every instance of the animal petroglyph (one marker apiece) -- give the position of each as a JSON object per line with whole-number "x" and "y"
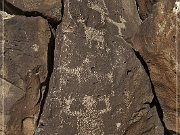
{"x": 120, "y": 25}
{"x": 100, "y": 6}
{"x": 93, "y": 34}
{"x": 89, "y": 119}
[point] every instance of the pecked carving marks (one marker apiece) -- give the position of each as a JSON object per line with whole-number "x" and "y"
{"x": 120, "y": 25}
{"x": 89, "y": 119}
{"x": 93, "y": 34}
{"x": 99, "y": 6}
{"x": 84, "y": 72}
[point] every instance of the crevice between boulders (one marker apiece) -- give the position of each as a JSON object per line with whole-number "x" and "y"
{"x": 51, "y": 47}
{"x": 155, "y": 102}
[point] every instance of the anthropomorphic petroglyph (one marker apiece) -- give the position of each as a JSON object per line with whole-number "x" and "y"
{"x": 99, "y": 6}
{"x": 89, "y": 118}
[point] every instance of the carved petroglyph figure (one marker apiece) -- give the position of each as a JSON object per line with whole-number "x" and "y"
{"x": 93, "y": 34}
{"x": 89, "y": 119}
{"x": 99, "y": 6}
{"x": 120, "y": 25}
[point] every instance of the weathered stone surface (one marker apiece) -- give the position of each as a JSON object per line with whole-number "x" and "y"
{"x": 51, "y": 9}
{"x": 24, "y": 67}
{"x": 145, "y": 7}
{"x": 98, "y": 86}
{"x": 156, "y": 42}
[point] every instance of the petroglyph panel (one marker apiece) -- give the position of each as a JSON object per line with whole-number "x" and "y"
{"x": 98, "y": 84}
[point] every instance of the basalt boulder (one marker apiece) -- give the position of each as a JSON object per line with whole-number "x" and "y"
{"x": 157, "y": 43}
{"x": 98, "y": 85}
{"x": 23, "y": 65}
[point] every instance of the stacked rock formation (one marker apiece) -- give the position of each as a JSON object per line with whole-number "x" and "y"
{"x": 89, "y": 67}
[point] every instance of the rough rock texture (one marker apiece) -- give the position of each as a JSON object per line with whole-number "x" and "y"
{"x": 145, "y": 8}
{"x": 156, "y": 42}
{"x": 23, "y": 69}
{"x": 98, "y": 86}
{"x": 50, "y": 9}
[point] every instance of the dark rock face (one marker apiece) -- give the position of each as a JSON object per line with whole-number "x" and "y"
{"x": 156, "y": 42}
{"x": 98, "y": 86}
{"x": 23, "y": 70}
{"x": 145, "y": 7}
{"x": 51, "y": 9}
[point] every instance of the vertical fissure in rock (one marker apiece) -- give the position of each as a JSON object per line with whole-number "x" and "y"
{"x": 155, "y": 101}
{"x": 137, "y": 6}
{"x": 62, "y": 9}
{"x": 51, "y": 48}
